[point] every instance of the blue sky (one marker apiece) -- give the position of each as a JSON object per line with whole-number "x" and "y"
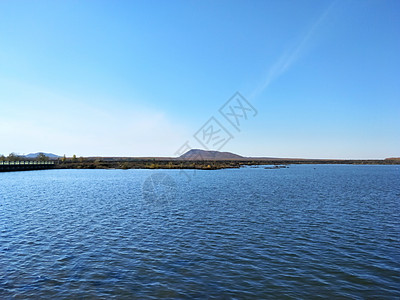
{"x": 130, "y": 78}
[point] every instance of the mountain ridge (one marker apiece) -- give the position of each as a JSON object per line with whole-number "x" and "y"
{"x": 199, "y": 154}
{"x": 35, "y": 155}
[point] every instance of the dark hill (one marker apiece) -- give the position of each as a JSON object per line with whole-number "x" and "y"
{"x": 35, "y": 155}
{"x": 198, "y": 154}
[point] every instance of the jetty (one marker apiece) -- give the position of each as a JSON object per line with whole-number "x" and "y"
{"x": 10, "y": 166}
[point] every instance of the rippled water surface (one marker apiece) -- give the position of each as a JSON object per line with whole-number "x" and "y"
{"x": 307, "y": 231}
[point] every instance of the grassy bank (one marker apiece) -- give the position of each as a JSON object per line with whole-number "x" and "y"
{"x": 127, "y": 163}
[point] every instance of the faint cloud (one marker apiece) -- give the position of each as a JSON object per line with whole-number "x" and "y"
{"x": 291, "y": 55}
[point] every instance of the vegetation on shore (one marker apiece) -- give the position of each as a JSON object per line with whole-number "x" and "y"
{"x": 15, "y": 157}
{"x": 84, "y": 163}
{"x": 178, "y": 163}
{"x": 98, "y": 163}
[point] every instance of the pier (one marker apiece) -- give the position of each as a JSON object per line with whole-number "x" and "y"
{"x": 10, "y": 166}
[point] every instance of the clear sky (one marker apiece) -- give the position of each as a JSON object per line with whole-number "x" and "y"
{"x": 140, "y": 78}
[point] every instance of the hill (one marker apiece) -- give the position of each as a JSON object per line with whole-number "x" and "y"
{"x": 198, "y": 154}
{"x": 35, "y": 155}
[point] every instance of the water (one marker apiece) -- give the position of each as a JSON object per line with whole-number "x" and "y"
{"x": 309, "y": 231}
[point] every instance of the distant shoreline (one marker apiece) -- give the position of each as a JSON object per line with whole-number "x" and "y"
{"x": 177, "y": 163}
{"x": 192, "y": 159}
{"x": 203, "y": 164}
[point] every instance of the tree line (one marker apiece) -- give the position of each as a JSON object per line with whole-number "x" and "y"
{"x": 16, "y": 157}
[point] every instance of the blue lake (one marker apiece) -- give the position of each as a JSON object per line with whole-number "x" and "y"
{"x": 307, "y": 231}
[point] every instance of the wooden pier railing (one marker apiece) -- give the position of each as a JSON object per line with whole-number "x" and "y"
{"x": 7, "y": 166}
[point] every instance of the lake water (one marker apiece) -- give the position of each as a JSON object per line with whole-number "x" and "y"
{"x": 308, "y": 231}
